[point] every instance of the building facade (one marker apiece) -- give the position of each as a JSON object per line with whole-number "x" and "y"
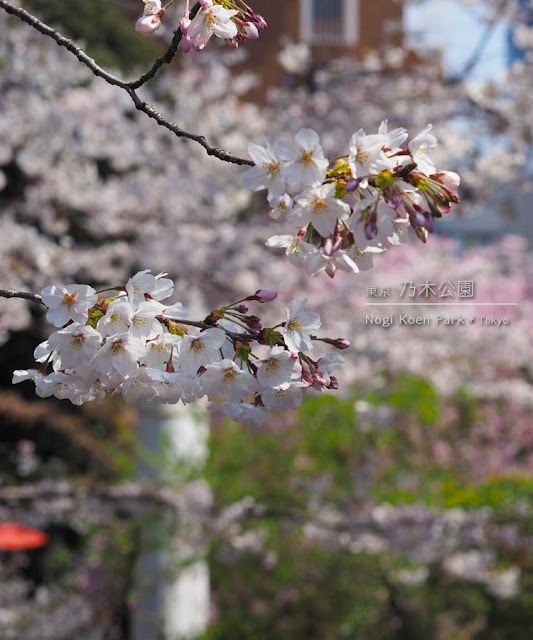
{"x": 332, "y": 29}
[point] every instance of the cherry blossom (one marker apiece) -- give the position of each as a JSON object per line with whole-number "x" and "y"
{"x": 321, "y": 208}
{"x": 304, "y": 162}
{"x": 66, "y": 303}
{"x": 150, "y": 21}
{"x": 357, "y": 205}
{"x": 225, "y": 378}
{"x": 284, "y": 397}
{"x": 420, "y": 147}
{"x": 144, "y": 283}
{"x": 75, "y": 345}
{"x": 200, "y": 350}
{"x": 267, "y": 171}
{"x": 276, "y": 367}
{"x": 129, "y": 345}
{"x": 300, "y": 323}
{"x": 212, "y": 19}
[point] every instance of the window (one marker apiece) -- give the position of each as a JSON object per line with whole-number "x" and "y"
{"x": 329, "y": 22}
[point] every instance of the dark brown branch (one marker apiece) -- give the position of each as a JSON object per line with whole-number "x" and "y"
{"x": 178, "y": 131}
{"x": 130, "y": 87}
{"x": 32, "y": 297}
{"x": 243, "y": 337}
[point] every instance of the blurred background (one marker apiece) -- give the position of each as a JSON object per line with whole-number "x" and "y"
{"x": 399, "y": 508}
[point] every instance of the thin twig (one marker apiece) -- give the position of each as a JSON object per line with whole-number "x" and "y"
{"x": 217, "y": 152}
{"x": 243, "y": 337}
{"x": 480, "y": 47}
{"x": 129, "y": 87}
{"x": 32, "y": 297}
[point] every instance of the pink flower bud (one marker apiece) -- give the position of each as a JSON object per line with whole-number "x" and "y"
{"x": 250, "y": 30}
{"x": 320, "y": 379}
{"x": 253, "y": 323}
{"x": 339, "y": 343}
{"x": 186, "y": 44}
{"x": 146, "y": 25}
{"x": 333, "y": 383}
{"x": 242, "y": 308}
{"x": 421, "y": 233}
{"x": 449, "y": 179}
{"x": 353, "y": 184}
{"x": 420, "y": 219}
{"x": 259, "y": 21}
{"x": 264, "y": 295}
{"x": 232, "y": 42}
{"x": 184, "y": 25}
{"x": 430, "y": 223}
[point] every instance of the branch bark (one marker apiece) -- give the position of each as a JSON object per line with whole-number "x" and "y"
{"x": 32, "y": 297}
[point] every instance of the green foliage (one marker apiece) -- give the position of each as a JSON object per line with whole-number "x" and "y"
{"x": 109, "y": 36}
{"x": 309, "y": 592}
{"x": 498, "y": 492}
{"x": 412, "y": 395}
{"x": 245, "y": 462}
{"x": 294, "y": 588}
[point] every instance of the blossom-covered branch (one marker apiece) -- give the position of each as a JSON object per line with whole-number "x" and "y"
{"x": 342, "y": 212}
{"x": 127, "y": 341}
{"x": 131, "y": 86}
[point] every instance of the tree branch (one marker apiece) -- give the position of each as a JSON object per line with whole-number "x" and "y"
{"x": 129, "y": 87}
{"x": 480, "y": 47}
{"x": 32, "y": 297}
{"x": 119, "y": 494}
{"x": 165, "y": 58}
{"x": 217, "y": 152}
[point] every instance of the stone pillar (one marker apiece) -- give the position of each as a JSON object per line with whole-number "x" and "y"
{"x": 171, "y": 594}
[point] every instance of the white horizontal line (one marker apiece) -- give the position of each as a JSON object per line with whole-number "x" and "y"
{"x": 435, "y": 304}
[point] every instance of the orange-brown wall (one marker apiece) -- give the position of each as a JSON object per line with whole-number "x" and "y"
{"x": 283, "y": 18}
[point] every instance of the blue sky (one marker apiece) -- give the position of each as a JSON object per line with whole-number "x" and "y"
{"x": 454, "y": 28}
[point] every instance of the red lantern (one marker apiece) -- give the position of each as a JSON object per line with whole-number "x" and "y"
{"x": 17, "y": 537}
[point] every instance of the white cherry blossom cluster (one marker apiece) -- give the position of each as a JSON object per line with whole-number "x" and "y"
{"x": 233, "y": 21}
{"x": 134, "y": 344}
{"x": 340, "y": 213}
{"x": 150, "y": 20}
